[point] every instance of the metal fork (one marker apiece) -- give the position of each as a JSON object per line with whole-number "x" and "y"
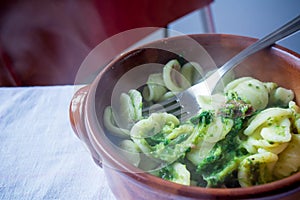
{"x": 184, "y": 105}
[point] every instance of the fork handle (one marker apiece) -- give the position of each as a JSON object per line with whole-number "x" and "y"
{"x": 282, "y": 32}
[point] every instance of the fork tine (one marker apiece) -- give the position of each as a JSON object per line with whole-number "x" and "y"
{"x": 173, "y": 107}
{"x": 184, "y": 116}
{"x": 177, "y": 113}
{"x": 170, "y": 101}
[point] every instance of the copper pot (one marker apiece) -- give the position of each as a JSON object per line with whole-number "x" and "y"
{"x": 275, "y": 64}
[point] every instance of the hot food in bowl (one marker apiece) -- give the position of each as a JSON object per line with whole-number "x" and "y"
{"x": 243, "y": 143}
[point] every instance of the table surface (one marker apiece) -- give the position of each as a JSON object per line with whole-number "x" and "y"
{"x": 41, "y": 158}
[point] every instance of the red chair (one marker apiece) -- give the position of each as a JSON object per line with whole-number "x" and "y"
{"x": 44, "y": 42}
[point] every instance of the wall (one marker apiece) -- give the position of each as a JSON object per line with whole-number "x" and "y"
{"x": 254, "y": 18}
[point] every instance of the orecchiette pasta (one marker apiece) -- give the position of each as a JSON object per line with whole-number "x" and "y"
{"x": 296, "y": 116}
{"x": 257, "y": 169}
{"x": 213, "y": 102}
{"x": 277, "y": 132}
{"x": 130, "y": 151}
{"x": 252, "y": 145}
{"x": 154, "y": 124}
{"x": 181, "y": 174}
{"x": 158, "y": 136}
{"x": 289, "y": 160}
{"x": 216, "y": 131}
{"x": 247, "y": 134}
{"x": 280, "y": 97}
{"x": 155, "y": 88}
{"x": 192, "y": 72}
{"x": 173, "y": 79}
{"x": 110, "y": 124}
{"x": 130, "y": 109}
{"x": 250, "y": 90}
{"x": 268, "y": 116}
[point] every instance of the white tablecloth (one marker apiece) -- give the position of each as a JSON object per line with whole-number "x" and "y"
{"x": 41, "y": 158}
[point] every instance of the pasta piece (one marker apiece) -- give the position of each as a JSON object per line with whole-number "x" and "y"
{"x": 296, "y": 116}
{"x": 266, "y": 116}
{"x": 218, "y": 129}
{"x": 233, "y": 84}
{"x": 281, "y": 97}
{"x": 167, "y": 95}
{"x": 192, "y": 72}
{"x": 297, "y": 125}
{"x": 270, "y": 86}
{"x": 289, "y": 160}
{"x": 125, "y": 119}
{"x": 154, "y": 124}
{"x": 250, "y": 90}
{"x": 130, "y": 151}
{"x": 111, "y": 126}
{"x": 146, "y": 128}
{"x": 253, "y": 144}
{"x": 199, "y": 151}
{"x": 295, "y": 108}
{"x": 212, "y": 133}
{"x": 155, "y": 88}
{"x": 176, "y": 172}
{"x": 171, "y": 150}
{"x": 159, "y": 137}
{"x": 136, "y": 99}
{"x": 180, "y": 175}
{"x": 130, "y": 109}
{"x": 269, "y": 130}
{"x": 277, "y": 132}
{"x": 173, "y": 79}
{"x": 213, "y": 102}
{"x": 257, "y": 169}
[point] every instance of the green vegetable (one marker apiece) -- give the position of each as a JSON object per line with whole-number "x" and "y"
{"x": 204, "y": 117}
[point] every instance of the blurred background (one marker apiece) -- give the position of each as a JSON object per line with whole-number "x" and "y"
{"x": 44, "y": 42}
{"x": 253, "y": 18}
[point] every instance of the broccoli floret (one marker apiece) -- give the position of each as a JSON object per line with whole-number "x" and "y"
{"x": 205, "y": 117}
{"x": 166, "y": 173}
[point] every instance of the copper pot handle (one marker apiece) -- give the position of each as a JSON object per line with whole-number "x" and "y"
{"x": 76, "y": 113}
